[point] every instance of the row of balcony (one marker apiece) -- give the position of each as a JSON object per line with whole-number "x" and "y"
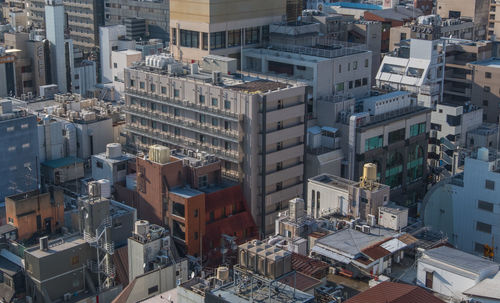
{"x": 183, "y": 142}
{"x": 229, "y": 135}
{"x": 200, "y": 108}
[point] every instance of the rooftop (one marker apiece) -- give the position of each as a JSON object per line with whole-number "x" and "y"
{"x": 186, "y": 192}
{"x": 391, "y": 292}
{"x": 362, "y": 6}
{"x": 457, "y": 261}
{"x": 493, "y": 62}
{"x": 62, "y": 162}
{"x": 333, "y": 181}
{"x": 56, "y": 246}
{"x": 122, "y": 158}
{"x": 488, "y": 288}
{"x": 390, "y": 95}
{"x": 259, "y": 86}
{"x": 351, "y": 241}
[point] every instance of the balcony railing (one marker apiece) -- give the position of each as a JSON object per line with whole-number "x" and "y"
{"x": 228, "y": 135}
{"x": 200, "y": 108}
{"x": 183, "y": 142}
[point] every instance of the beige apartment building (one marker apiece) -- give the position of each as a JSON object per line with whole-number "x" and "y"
{"x": 494, "y": 20}
{"x": 220, "y": 27}
{"x": 256, "y": 127}
{"x": 475, "y": 10}
{"x": 486, "y": 88}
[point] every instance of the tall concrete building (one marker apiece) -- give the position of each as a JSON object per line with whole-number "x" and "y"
{"x": 220, "y": 27}
{"x": 19, "y": 148}
{"x": 485, "y": 90}
{"x": 237, "y": 120}
{"x": 54, "y": 11}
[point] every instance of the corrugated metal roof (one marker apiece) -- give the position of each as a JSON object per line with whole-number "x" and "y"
{"x": 393, "y": 245}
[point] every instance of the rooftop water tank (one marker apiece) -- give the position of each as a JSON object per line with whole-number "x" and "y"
{"x": 113, "y": 150}
{"x": 483, "y": 154}
{"x": 105, "y": 188}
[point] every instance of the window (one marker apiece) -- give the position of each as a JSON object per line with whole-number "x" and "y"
{"x": 99, "y": 164}
{"x": 176, "y": 93}
{"x": 417, "y": 129}
{"x": 24, "y": 126}
{"x": 366, "y": 63}
{"x": 10, "y": 129}
{"x": 280, "y": 104}
{"x": 279, "y": 146}
{"x": 164, "y": 109}
{"x": 142, "y": 85}
{"x": 215, "y": 122}
{"x": 485, "y": 102}
{"x": 365, "y": 81}
{"x": 340, "y": 68}
{"x": 177, "y": 112}
{"x": 279, "y": 166}
{"x": 234, "y": 38}
{"x": 487, "y": 89}
{"x": 339, "y": 87}
{"x": 115, "y": 65}
{"x": 279, "y": 186}
{"x": 483, "y": 227}
{"x": 152, "y": 290}
{"x": 280, "y": 125}
{"x": 487, "y": 75}
{"x": 215, "y": 142}
{"x": 374, "y": 143}
{"x": 211, "y": 216}
{"x": 121, "y": 166}
{"x": 396, "y": 135}
{"x": 227, "y": 125}
{"x": 217, "y": 40}
{"x": 203, "y": 181}
{"x": 163, "y": 90}
{"x": 205, "y": 41}
{"x": 489, "y": 184}
{"x": 487, "y": 206}
{"x": 351, "y": 84}
{"x": 164, "y": 127}
{"x": 203, "y": 139}
{"x": 479, "y": 248}
{"x": 202, "y": 118}
{"x": 214, "y": 102}
{"x": 196, "y": 235}
{"x": 152, "y": 88}
{"x": 26, "y": 145}
{"x": 202, "y": 99}
{"x": 177, "y": 131}
{"x": 265, "y": 33}
{"x": 357, "y": 83}
{"x": 252, "y": 35}
{"x": 227, "y": 145}
{"x": 355, "y": 65}
{"x": 174, "y": 36}
{"x": 429, "y": 277}
{"x": 190, "y": 38}
{"x": 132, "y": 83}
{"x": 227, "y": 104}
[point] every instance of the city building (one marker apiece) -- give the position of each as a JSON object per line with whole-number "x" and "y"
{"x": 451, "y": 272}
{"x": 237, "y": 120}
{"x": 84, "y": 77}
{"x": 420, "y": 72}
{"x": 493, "y": 21}
{"x": 55, "y": 14}
{"x": 485, "y": 91}
{"x": 458, "y": 80}
{"x": 391, "y": 17}
{"x": 450, "y": 127}
{"x": 23, "y": 67}
{"x": 12, "y": 286}
{"x": 111, "y": 38}
{"x": 120, "y": 60}
{"x": 211, "y": 30}
{"x": 62, "y": 170}
{"x": 187, "y": 193}
{"x": 155, "y": 15}
{"x": 19, "y": 146}
{"x": 82, "y": 22}
{"x": 394, "y": 137}
{"x": 35, "y": 213}
{"x": 463, "y": 207}
{"x": 475, "y": 10}
{"x": 363, "y": 251}
{"x": 328, "y": 194}
{"x": 450, "y": 28}
{"x": 112, "y": 165}
{"x": 329, "y": 67}
{"x": 391, "y": 292}
{"x": 7, "y": 71}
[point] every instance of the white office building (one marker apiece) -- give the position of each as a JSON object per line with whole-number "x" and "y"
{"x": 465, "y": 208}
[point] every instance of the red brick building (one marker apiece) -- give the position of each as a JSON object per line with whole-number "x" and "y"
{"x": 188, "y": 194}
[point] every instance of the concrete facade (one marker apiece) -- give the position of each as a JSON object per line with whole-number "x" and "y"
{"x": 228, "y": 121}
{"x": 485, "y": 90}
{"x": 475, "y": 10}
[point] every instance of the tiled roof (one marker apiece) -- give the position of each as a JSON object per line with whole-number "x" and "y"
{"x": 390, "y": 292}
{"x": 308, "y": 266}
